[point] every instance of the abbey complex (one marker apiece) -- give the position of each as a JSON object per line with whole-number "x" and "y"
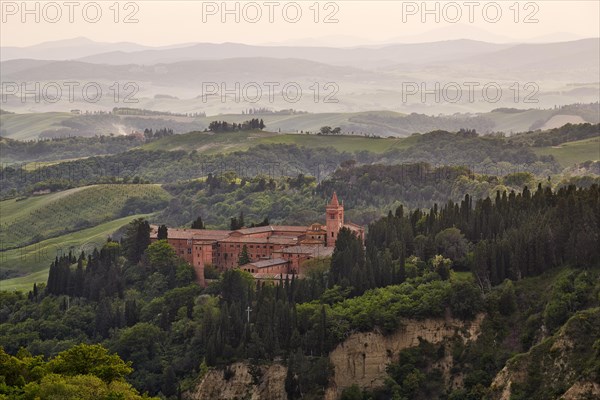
{"x": 275, "y": 251}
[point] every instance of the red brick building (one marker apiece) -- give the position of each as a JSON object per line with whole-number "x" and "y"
{"x": 273, "y": 250}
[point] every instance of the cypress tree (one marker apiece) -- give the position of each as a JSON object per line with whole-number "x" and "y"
{"x": 131, "y": 313}
{"x": 198, "y": 224}
{"x": 169, "y": 386}
{"x": 137, "y": 239}
{"x": 162, "y": 232}
{"x": 244, "y": 257}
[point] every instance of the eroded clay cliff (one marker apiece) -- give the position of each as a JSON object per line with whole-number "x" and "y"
{"x": 241, "y": 381}
{"x": 557, "y": 368}
{"x": 363, "y": 357}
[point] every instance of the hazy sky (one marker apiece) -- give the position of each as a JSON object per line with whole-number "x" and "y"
{"x": 158, "y": 23}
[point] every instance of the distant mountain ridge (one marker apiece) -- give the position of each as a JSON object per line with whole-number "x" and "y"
{"x": 360, "y": 78}
{"x": 124, "y": 53}
{"x": 71, "y": 49}
{"x": 358, "y": 56}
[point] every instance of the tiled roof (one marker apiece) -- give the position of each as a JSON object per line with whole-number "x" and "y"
{"x": 353, "y": 225}
{"x": 315, "y": 251}
{"x": 289, "y": 228}
{"x": 272, "y": 276}
{"x": 258, "y": 229}
{"x": 267, "y": 263}
{"x": 196, "y": 234}
{"x": 284, "y": 235}
{"x": 208, "y": 234}
{"x": 312, "y": 242}
{"x": 272, "y": 228}
{"x": 284, "y": 240}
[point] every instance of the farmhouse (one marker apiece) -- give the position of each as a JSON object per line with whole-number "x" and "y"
{"x": 274, "y": 250}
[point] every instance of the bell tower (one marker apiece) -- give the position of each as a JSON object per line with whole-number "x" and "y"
{"x": 334, "y": 219}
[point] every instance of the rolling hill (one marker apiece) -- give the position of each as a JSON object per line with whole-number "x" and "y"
{"x": 448, "y": 52}
{"x": 30, "y": 264}
{"x": 365, "y": 78}
{"x": 477, "y": 52}
{"x": 184, "y": 73}
{"x": 29, "y": 126}
{"x": 227, "y": 142}
{"x": 567, "y": 154}
{"x": 37, "y": 218}
{"x": 576, "y": 152}
{"x": 356, "y": 56}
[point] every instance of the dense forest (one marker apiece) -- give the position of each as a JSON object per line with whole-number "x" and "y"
{"x": 367, "y": 190}
{"x": 139, "y": 300}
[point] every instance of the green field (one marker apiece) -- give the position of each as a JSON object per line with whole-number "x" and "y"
{"x": 29, "y": 126}
{"x": 33, "y": 261}
{"x": 41, "y": 217}
{"x": 226, "y": 142}
{"x": 517, "y": 122}
{"x": 570, "y": 153}
{"x": 208, "y": 142}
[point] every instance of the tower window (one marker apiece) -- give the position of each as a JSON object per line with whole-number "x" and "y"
{"x": 331, "y": 234}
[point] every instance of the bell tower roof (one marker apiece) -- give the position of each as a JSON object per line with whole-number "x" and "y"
{"x": 334, "y": 200}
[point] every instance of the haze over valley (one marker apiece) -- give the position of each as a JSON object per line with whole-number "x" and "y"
{"x": 463, "y": 76}
{"x": 300, "y": 200}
